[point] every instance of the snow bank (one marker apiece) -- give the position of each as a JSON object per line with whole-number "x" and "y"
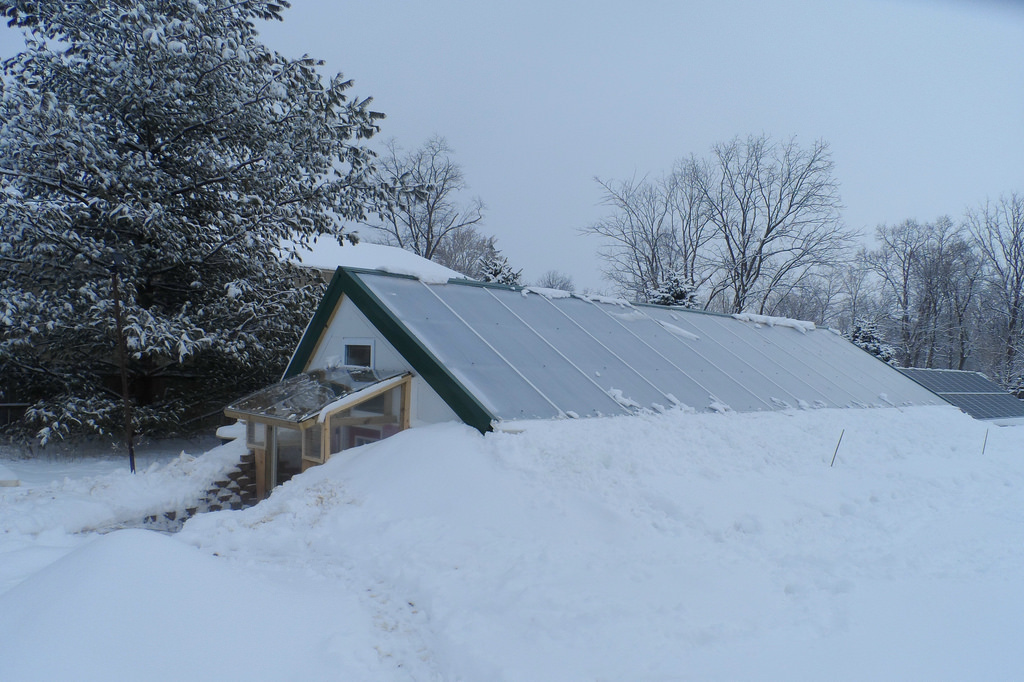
{"x": 643, "y": 547}
{"x": 328, "y": 254}
{"x": 547, "y": 293}
{"x": 112, "y": 499}
{"x": 675, "y": 546}
{"x": 137, "y": 605}
{"x": 8, "y": 478}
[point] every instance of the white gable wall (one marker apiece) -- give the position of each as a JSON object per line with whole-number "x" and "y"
{"x": 349, "y": 323}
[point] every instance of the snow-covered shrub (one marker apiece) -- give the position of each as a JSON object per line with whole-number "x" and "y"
{"x": 495, "y": 268}
{"x": 676, "y": 290}
{"x": 865, "y": 334}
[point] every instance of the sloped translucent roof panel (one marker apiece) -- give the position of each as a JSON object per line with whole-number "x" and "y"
{"x": 819, "y": 357}
{"x": 554, "y": 374}
{"x": 737, "y": 345}
{"x": 600, "y": 365}
{"x": 460, "y": 348}
{"x": 523, "y": 354}
{"x": 675, "y": 360}
{"x": 858, "y": 368}
{"x": 972, "y": 392}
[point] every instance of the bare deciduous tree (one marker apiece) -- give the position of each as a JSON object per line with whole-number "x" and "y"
{"x": 425, "y": 212}
{"x": 998, "y": 232}
{"x": 962, "y": 289}
{"x": 928, "y": 275}
{"x": 655, "y": 228}
{"x": 894, "y": 262}
{"x": 751, "y": 222}
{"x": 464, "y": 250}
{"x": 692, "y": 231}
{"x": 638, "y": 233}
{"x": 553, "y": 279}
{"x": 775, "y": 211}
{"x": 856, "y": 301}
{"x": 812, "y": 298}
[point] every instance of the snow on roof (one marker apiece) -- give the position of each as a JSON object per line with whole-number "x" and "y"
{"x": 547, "y": 293}
{"x": 767, "y": 320}
{"x": 355, "y": 397}
{"x": 328, "y": 254}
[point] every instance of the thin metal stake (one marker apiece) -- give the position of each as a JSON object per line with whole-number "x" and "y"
{"x": 837, "y": 448}
{"x": 985, "y": 444}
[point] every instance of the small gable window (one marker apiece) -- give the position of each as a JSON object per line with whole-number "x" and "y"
{"x": 358, "y": 354}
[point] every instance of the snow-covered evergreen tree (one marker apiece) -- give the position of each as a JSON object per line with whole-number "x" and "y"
{"x": 495, "y": 268}
{"x": 163, "y": 137}
{"x": 865, "y": 334}
{"x": 1016, "y": 387}
{"x": 677, "y": 290}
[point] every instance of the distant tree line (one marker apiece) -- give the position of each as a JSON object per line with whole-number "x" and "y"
{"x": 944, "y": 294}
{"x": 756, "y": 227}
{"x": 739, "y": 230}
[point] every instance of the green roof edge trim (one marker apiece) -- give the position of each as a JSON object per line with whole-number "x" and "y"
{"x": 315, "y": 329}
{"x": 346, "y": 281}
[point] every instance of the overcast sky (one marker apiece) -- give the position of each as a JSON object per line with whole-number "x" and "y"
{"x": 921, "y": 102}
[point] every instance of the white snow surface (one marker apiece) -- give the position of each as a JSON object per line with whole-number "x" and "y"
{"x": 770, "y": 321}
{"x": 609, "y": 300}
{"x": 328, "y": 254}
{"x": 678, "y": 546}
{"x": 621, "y": 398}
{"x": 7, "y": 477}
{"x": 679, "y": 331}
{"x": 109, "y": 495}
{"x": 547, "y": 293}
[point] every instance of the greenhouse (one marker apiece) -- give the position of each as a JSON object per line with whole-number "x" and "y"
{"x": 493, "y": 355}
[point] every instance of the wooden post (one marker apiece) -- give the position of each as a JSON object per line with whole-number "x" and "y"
{"x": 405, "y": 415}
{"x": 325, "y": 438}
{"x": 261, "y": 470}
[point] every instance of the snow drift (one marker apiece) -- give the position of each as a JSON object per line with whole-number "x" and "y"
{"x": 676, "y": 546}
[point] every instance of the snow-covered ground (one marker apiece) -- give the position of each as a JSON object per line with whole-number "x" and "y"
{"x": 670, "y": 547}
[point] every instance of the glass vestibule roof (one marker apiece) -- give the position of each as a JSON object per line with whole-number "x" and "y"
{"x": 302, "y": 397}
{"x": 526, "y": 354}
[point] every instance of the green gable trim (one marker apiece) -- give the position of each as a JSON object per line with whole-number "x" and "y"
{"x": 346, "y": 282}
{"x": 315, "y": 329}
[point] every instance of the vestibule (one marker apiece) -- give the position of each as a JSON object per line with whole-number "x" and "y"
{"x": 303, "y": 420}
